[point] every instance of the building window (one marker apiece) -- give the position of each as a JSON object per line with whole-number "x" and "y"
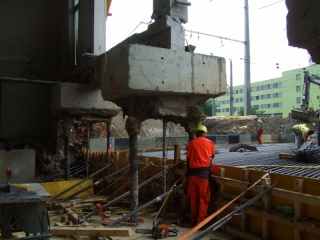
{"x": 298, "y": 99}
{"x": 277, "y": 105}
{"x": 298, "y": 76}
{"x": 298, "y": 88}
{"x": 275, "y": 85}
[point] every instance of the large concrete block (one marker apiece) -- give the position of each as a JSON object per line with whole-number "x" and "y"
{"x": 167, "y": 32}
{"x": 100, "y": 144}
{"x": 143, "y": 70}
{"x": 81, "y": 99}
{"x": 170, "y": 8}
{"x": 22, "y": 164}
{"x": 287, "y": 138}
{"x": 245, "y": 138}
{"x": 222, "y": 139}
{"x": 146, "y": 143}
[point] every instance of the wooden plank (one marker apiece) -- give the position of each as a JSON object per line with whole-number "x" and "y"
{"x": 287, "y": 156}
{"x": 59, "y": 224}
{"x": 289, "y": 222}
{"x": 72, "y": 216}
{"x": 90, "y": 231}
{"x": 245, "y": 235}
{"x": 222, "y": 173}
{"x": 266, "y": 225}
{"x": 177, "y": 153}
{"x": 231, "y": 182}
{"x": 242, "y": 199}
{"x": 245, "y": 178}
{"x": 286, "y": 221}
{"x": 179, "y": 172}
{"x": 299, "y": 197}
{"x": 21, "y": 186}
{"x": 54, "y": 188}
{"x": 298, "y": 207}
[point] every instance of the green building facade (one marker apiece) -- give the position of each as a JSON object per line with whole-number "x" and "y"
{"x": 276, "y": 97}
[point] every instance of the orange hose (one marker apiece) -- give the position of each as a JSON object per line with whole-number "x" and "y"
{"x": 100, "y": 211}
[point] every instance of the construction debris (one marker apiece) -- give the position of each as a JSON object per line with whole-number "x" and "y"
{"x": 242, "y": 148}
{"x": 309, "y": 153}
{"x": 287, "y": 156}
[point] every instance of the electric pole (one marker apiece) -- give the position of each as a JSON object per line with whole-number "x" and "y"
{"x": 247, "y": 60}
{"x": 231, "y": 90}
{"x": 213, "y": 106}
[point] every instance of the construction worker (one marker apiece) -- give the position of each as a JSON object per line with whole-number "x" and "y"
{"x": 259, "y": 128}
{"x": 302, "y": 133}
{"x": 200, "y": 152}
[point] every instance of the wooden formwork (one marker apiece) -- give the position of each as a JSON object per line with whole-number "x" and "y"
{"x": 261, "y": 220}
{"x": 147, "y": 166}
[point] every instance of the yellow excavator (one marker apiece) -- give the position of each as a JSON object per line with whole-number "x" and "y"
{"x": 304, "y": 113}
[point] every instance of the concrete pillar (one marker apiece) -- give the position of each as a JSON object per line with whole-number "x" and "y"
{"x": 133, "y": 126}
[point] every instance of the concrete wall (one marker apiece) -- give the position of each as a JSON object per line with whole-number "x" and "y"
{"x": 25, "y": 110}
{"x": 36, "y": 33}
{"x": 22, "y": 164}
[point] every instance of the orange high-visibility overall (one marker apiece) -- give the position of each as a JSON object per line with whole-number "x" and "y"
{"x": 199, "y": 153}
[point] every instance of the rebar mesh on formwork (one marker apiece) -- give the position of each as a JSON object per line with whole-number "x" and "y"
{"x": 308, "y": 153}
{"x": 267, "y": 159}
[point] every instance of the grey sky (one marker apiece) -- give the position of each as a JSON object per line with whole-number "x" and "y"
{"x": 268, "y": 39}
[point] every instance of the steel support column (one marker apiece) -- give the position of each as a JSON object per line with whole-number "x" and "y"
{"x": 109, "y": 146}
{"x": 133, "y": 126}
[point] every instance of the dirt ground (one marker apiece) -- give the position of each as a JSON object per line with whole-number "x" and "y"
{"x": 219, "y": 126}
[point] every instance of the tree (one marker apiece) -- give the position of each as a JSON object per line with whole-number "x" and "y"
{"x": 241, "y": 112}
{"x": 206, "y": 107}
{"x": 254, "y": 111}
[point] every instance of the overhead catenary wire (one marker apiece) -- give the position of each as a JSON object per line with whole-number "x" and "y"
{"x": 216, "y": 13}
